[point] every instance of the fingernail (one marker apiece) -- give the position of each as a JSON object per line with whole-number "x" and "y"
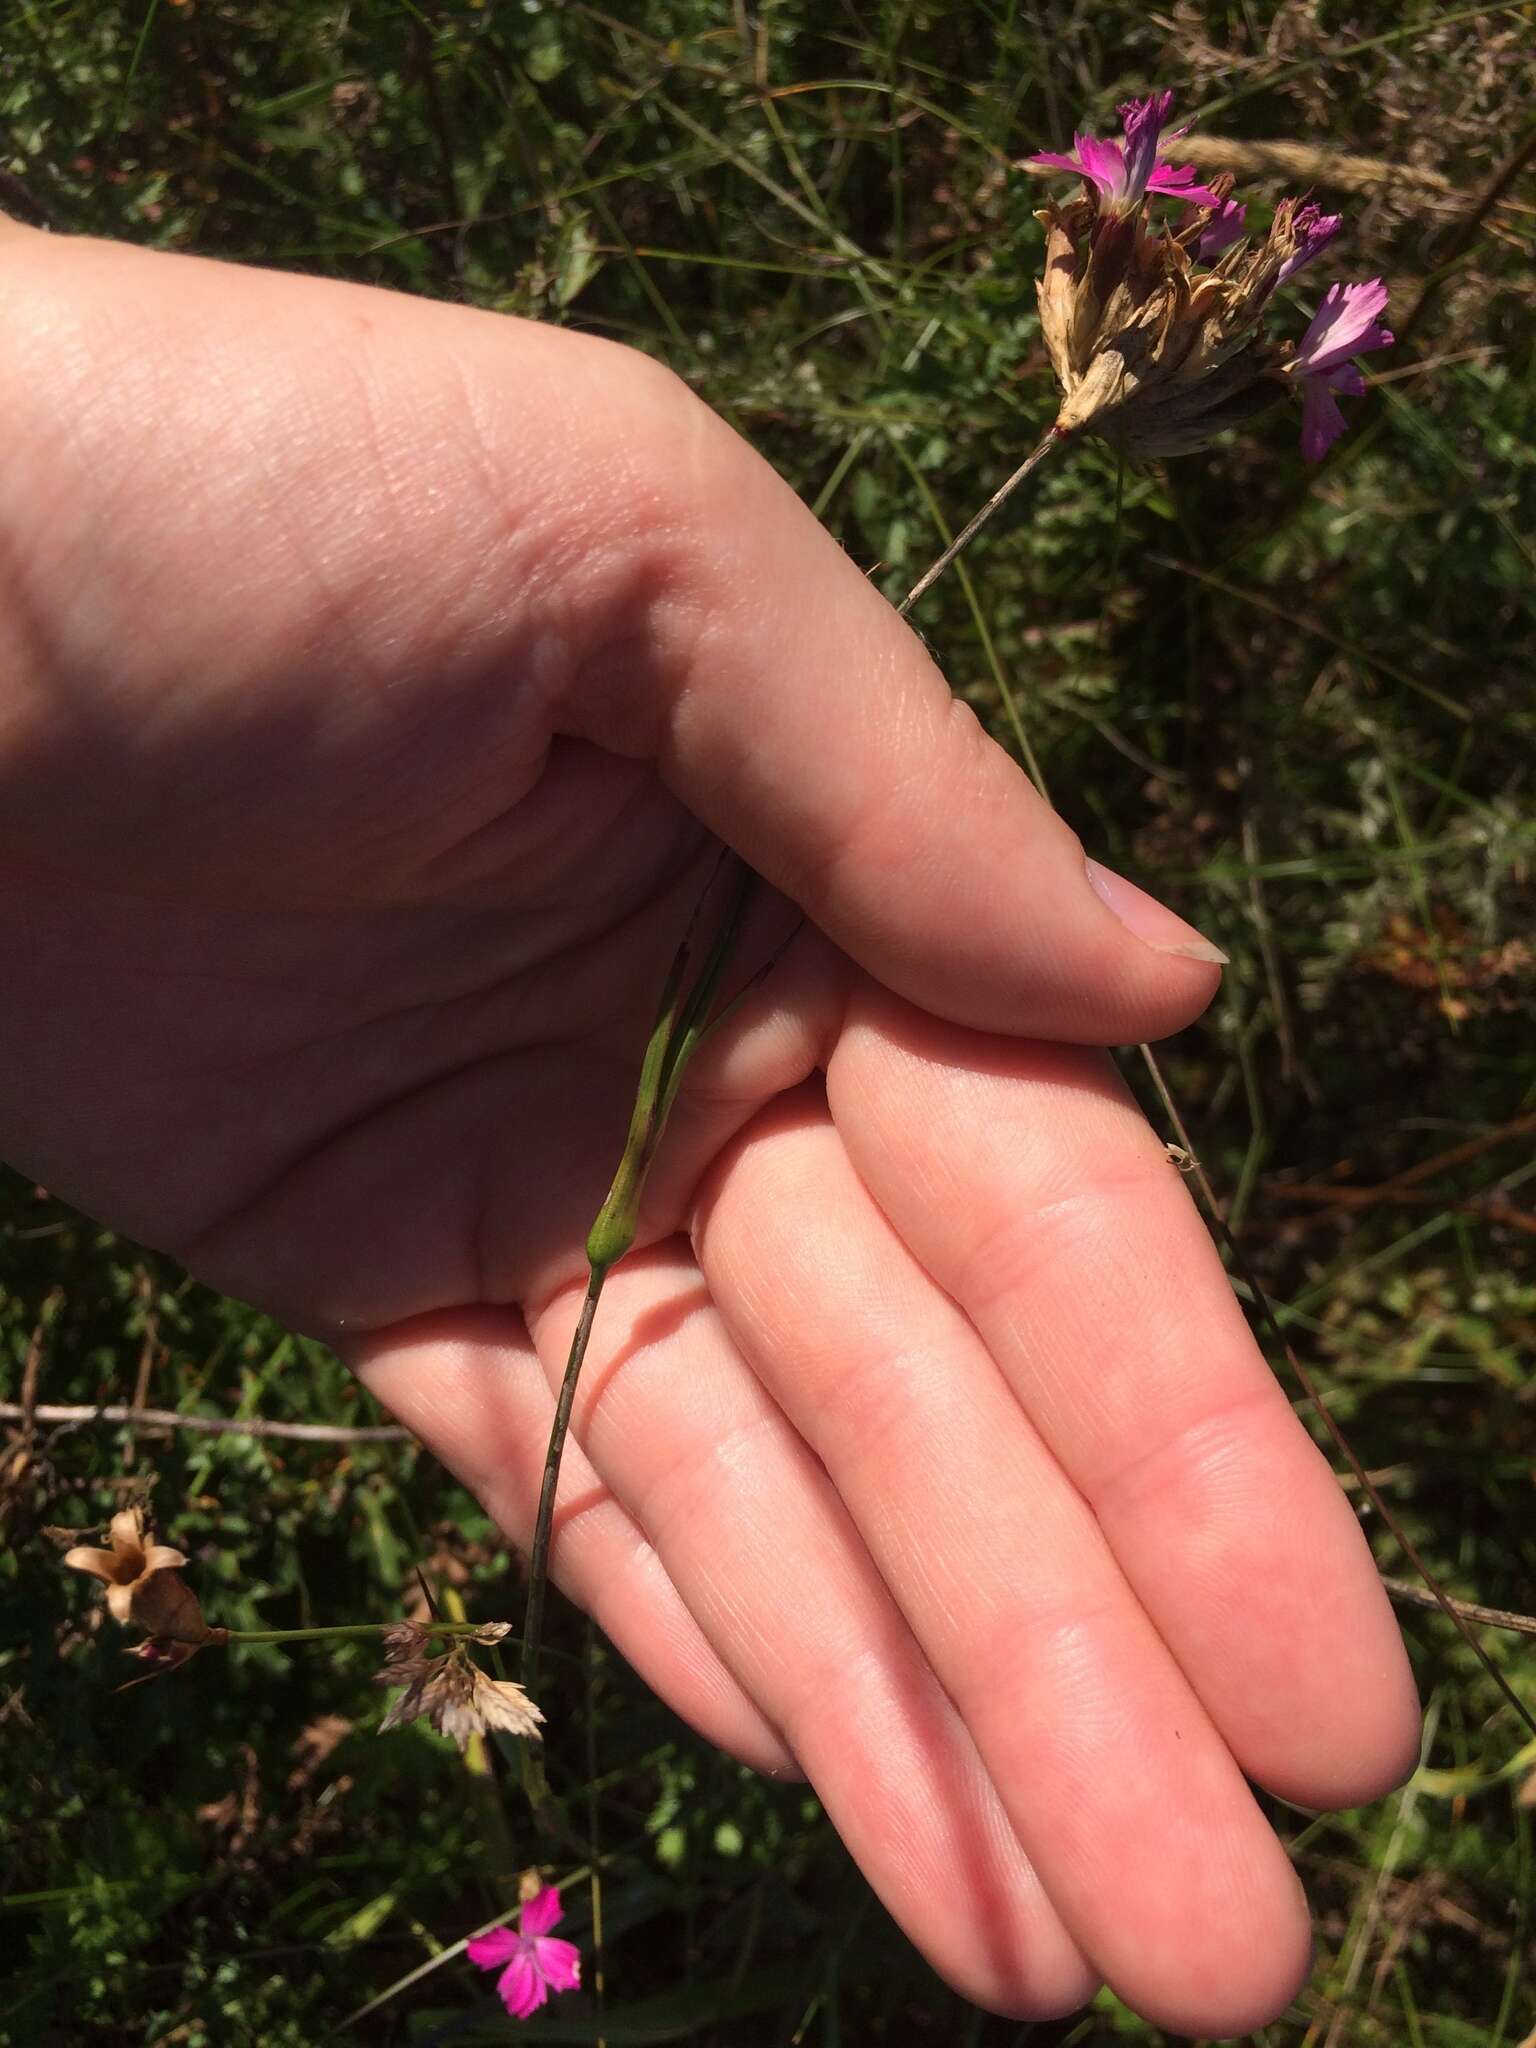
{"x": 1150, "y": 921}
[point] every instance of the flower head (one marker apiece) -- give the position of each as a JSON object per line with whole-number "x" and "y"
{"x": 1344, "y": 325}
{"x": 450, "y": 1691}
{"x": 537, "y": 1962}
{"x": 405, "y": 1652}
{"x": 129, "y": 1570}
{"x": 1124, "y": 173}
{"x": 1157, "y": 333}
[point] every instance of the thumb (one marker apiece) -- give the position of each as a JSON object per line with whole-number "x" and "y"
{"x": 446, "y": 536}
{"x": 804, "y": 722}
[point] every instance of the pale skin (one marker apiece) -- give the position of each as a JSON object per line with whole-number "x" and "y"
{"x": 376, "y": 682}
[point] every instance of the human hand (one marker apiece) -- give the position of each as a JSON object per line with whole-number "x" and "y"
{"x": 378, "y": 677}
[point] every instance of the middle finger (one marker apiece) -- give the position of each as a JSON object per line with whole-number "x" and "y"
{"x": 1123, "y": 1793}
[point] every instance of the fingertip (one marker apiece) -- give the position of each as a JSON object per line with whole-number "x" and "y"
{"x": 1151, "y": 921}
{"x": 1235, "y": 1973}
{"x": 1379, "y": 1750}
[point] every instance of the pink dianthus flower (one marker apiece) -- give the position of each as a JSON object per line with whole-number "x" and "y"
{"x": 537, "y": 1962}
{"x": 1124, "y": 173}
{"x": 1344, "y": 325}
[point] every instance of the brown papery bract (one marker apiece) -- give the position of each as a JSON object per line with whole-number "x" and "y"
{"x": 1154, "y": 354}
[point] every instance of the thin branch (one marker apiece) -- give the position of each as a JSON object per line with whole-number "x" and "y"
{"x": 1456, "y": 1155}
{"x": 27, "y": 1411}
{"x": 1466, "y": 230}
{"x": 1487, "y": 1208}
{"x": 437, "y": 121}
{"x": 207, "y": 1425}
{"x": 1469, "y": 1610}
{"x": 1403, "y": 1189}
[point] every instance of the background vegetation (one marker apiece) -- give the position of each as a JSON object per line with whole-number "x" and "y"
{"x": 1299, "y": 705}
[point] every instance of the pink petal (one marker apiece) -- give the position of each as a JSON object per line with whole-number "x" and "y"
{"x": 1225, "y": 228}
{"x": 1156, "y": 108}
{"x": 1143, "y": 123}
{"x": 1102, "y": 163}
{"x": 522, "y": 1988}
{"x": 541, "y": 1912}
{"x": 1343, "y": 325}
{"x": 1052, "y": 160}
{"x": 1175, "y": 180}
{"x": 488, "y": 1951}
{"x": 1321, "y": 421}
{"x": 1348, "y": 379}
{"x": 560, "y": 1962}
{"x": 1315, "y": 230}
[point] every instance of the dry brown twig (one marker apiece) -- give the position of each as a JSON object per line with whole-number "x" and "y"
{"x": 1411, "y": 1595}
{"x": 208, "y": 1425}
{"x": 1404, "y": 1190}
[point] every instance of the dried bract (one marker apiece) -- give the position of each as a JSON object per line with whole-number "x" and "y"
{"x": 405, "y": 1651}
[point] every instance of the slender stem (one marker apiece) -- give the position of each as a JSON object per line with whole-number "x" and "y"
{"x": 347, "y": 1629}
{"x": 968, "y": 533}
{"x": 696, "y": 1021}
{"x": 681, "y": 1024}
{"x": 538, "y": 1568}
{"x": 594, "y": 1816}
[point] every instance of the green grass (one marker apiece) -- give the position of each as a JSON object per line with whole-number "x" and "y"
{"x": 1298, "y": 706}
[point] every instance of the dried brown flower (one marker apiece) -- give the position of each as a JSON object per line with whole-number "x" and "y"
{"x": 451, "y": 1691}
{"x": 141, "y": 1581}
{"x": 1151, "y": 354}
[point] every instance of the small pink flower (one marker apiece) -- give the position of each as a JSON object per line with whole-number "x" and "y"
{"x": 1344, "y": 325}
{"x": 1125, "y": 173}
{"x": 536, "y": 1962}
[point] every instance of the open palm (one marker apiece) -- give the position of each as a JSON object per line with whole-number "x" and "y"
{"x": 380, "y": 680}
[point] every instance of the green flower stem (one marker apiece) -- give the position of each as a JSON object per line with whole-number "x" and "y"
{"x": 682, "y": 1023}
